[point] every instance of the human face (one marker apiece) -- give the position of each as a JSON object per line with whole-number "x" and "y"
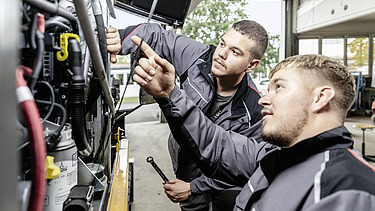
{"x": 232, "y": 56}
{"x": 285, "y": 108}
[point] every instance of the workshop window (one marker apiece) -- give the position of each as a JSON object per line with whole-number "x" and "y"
{"x": 358, "y": 51}
{"x": 333, "y": 47}
{"x": 308, "y": 46}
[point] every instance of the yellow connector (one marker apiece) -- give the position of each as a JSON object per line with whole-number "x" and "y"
{"x": 63, "y": 54}
{"x": 52, "y": 171}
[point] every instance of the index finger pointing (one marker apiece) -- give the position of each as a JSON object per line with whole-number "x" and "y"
{"x": 145, "y": 47}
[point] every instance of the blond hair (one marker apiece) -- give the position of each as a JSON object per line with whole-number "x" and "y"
{"x": 319, "y": 70}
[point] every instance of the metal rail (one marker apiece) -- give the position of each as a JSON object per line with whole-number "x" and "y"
{"x": 83, "y": 17}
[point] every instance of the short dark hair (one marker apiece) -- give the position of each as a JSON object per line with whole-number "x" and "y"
{"x": 255, "y": 32}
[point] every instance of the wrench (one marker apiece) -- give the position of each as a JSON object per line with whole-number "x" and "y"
{"x": 150, "y": 160}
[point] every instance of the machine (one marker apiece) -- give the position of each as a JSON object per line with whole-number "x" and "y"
{"x": 65, "y": 147}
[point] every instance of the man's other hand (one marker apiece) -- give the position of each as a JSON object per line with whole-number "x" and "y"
{"x": 113, "y": 43}
{"x": 177, "y": 190}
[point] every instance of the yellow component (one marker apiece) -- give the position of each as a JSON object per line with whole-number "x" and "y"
{"x": 116, "y": 137}
{"x": 118, "y": 198}
{"x": 63, "y": 54}
{"x": 53, "y": 171}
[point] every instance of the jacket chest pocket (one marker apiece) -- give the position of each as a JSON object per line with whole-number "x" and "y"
{"x": 197, "y": 91}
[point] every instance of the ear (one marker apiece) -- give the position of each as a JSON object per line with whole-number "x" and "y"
{"x": 253, "y": 64}
{"x": 323, "y": 96}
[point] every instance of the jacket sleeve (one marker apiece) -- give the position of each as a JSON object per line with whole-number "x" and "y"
{"x": 203, "y": 184}
{"x": 223, "y": 155}
{"x": 179, "y": 50}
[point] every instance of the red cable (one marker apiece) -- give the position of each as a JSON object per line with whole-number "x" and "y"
{"x": 37, "y": 141}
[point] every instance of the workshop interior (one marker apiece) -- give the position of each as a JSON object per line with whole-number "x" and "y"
{"x": 63, "y": 139}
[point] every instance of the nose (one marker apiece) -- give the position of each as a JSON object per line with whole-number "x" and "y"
{"x": 223, "y": 52}
{"x": 264, "y": 101}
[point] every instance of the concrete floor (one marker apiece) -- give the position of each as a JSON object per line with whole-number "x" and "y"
{"x": 150, "y": 139}
{"x": 361, "y": 118}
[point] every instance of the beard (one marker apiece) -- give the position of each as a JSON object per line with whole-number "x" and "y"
{"x": 287, "y": 132}
{"x": 215, "y": 75}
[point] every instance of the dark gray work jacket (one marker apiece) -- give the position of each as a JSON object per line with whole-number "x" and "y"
{"x": 319, "y": 173}
{"x": 192, "y": 61}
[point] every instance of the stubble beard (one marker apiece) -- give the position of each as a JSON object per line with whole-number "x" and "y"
{"x": 215, "y": 75}
{"x": 286, "y": 134}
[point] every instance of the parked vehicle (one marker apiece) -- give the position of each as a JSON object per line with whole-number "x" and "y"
{"x": 263, "y": 86}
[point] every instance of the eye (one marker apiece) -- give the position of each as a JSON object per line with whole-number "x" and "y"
{"x": 234, "y": 52}
{"x": 278, "y": 86}
{"x": 221, "y": 44}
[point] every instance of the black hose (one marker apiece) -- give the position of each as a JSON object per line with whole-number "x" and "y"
{"x": 94, "y": 92}
{"x": 38, "y": 60}
{"x": 33, "y": 30}
{"x": 102, "y": 39}
{"x": 77, "y": 99}
{"x": 60, "y": 25}
{"x": 85, "y": 24}
{"x": 52, "y": 8}
{"x": 95, "y": 88}
{"x": 102, "y": 139}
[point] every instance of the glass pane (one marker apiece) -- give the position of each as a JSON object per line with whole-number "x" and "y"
{"x": 308, "y": 46}
{"x": 333, "y": 48}
{"x": 358, "y": 55}
{"x": 121, "y": 78}
{"x": 131, "y": 81}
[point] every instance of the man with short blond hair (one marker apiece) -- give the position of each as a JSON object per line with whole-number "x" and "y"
{"x": 310, "y": 165}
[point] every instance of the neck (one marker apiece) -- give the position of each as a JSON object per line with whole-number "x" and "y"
{"x": 319, "y": 123}
{"x": 227, "y": 85}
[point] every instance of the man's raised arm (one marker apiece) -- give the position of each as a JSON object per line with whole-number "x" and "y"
{"x": 220, "y": 154}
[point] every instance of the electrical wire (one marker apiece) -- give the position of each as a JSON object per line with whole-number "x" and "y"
{"x": 51, "y": 103}
{"x": 63, "y": 113}
{"x": 138, "y": 52}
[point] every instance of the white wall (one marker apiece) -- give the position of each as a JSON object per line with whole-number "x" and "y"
{"x": 315, "y": 14}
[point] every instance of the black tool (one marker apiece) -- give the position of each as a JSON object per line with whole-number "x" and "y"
{"x": 157, "y": 169}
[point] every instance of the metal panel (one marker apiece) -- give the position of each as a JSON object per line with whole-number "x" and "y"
{"x": 9, "y": 27}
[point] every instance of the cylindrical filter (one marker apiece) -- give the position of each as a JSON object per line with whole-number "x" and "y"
{"x": 65, "y": 157}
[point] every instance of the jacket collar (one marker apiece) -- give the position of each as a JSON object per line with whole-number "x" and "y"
{"x": 237, "y": 105}
{"x": 205, "y": 68}
{"x": 283, "y": 158}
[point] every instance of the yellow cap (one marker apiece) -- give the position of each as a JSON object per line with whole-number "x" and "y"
{"x": 53, "y": 171}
